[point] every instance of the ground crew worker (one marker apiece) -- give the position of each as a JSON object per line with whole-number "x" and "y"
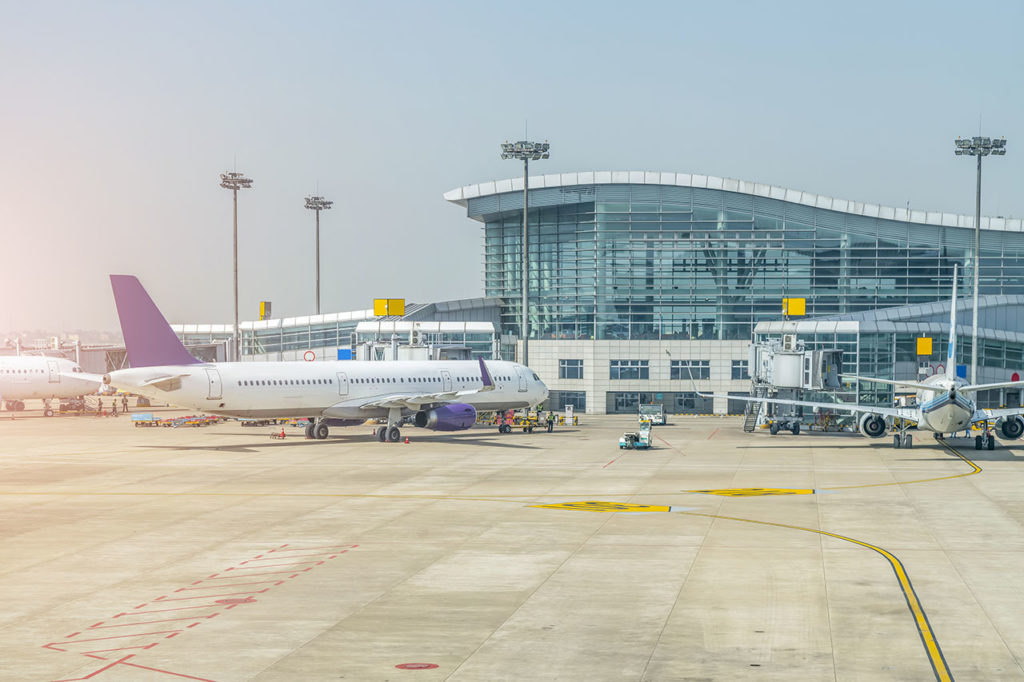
{"x": 99, "y": 408}
{"x": 124, "y": 403}
{"x": 113, "y": 411}
{"x": 551, "y": 422}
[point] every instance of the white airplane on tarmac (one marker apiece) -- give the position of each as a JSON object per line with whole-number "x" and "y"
{"x": 26, "y": 377}
{"x": 944, "y": 404}
{"x": 438, "y": 395}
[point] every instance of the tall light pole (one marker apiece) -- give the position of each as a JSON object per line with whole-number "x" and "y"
{"x": 526, "y": 151}
{"x": 318, "y": 204}
{"x": 979, "y": 147}
{"x": 234, "y": 182}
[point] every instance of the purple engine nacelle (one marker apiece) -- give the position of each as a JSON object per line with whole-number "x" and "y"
{"x": 456, "y": 417}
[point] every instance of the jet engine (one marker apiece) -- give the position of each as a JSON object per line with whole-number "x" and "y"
{"x": 872, "y": 425}
{"x": 455, "y": 417}
{"x": 1012, "y": 428}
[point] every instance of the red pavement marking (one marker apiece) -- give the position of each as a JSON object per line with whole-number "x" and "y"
{"x": 610, "y": 463}
{"x": 712, "y": 434}
{"x": 225, "y": 594}
{"x": 307, "y": 549}
{"x": 221, "y": 587}
{"x": 278, "y": 558}
{"x": 168, "y": 672}
{"x": 256, "y": 568}
{"x": 147, "y": 622}
{"x": 106, "y": 667}
{"x": 253, "y": 575}
{"x": 177, "y": 608}
{"x": 333, "y": 552}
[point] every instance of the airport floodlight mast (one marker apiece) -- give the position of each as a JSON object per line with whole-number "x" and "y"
{"x": 318, "y": 204}
{"x": 979, "y": 147}
{"x": 234, "y": 182}
{"x": 526, "y": 151}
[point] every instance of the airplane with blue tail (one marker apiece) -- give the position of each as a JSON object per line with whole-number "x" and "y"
{"x": 945, "y": 404}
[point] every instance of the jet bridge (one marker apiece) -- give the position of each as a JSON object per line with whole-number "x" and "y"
{"x": 784, "y": 368}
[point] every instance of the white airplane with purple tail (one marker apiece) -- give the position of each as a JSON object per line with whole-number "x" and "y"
{"x": 438, "y": 395}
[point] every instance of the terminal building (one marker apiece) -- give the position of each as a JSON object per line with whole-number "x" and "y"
{"x": 644, "y": 286}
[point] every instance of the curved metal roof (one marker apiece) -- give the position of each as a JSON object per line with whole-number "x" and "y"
{"x": 462, "y": 195}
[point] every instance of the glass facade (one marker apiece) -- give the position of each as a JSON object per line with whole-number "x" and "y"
{"x": 647, "y": 261}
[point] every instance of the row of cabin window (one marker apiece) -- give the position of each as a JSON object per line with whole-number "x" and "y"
{"x": 294, "y": 382}
{"x": 21, "y": 371}
{"x": 284, "y": 382}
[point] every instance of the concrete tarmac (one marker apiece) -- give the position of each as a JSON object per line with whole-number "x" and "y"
{"x": 218, "y": 553}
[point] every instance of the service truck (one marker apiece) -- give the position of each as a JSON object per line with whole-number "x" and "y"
{"x": 653, "y": 413}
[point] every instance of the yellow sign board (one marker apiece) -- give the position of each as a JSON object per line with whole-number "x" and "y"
{"x": 755, "y": 492}
{"x": 264, "y": 310}
{"x": 593, "y": 506}
{"x": 388, "y": 306}
{"x": 794, "y": 306}
{"x": 924, "y": 345}
{"x": 396, "y": 306}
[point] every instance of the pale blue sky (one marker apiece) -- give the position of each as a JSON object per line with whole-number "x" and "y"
{"x": 117, "y": 118}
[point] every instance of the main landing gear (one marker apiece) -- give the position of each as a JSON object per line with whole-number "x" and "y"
{"x": 15, "y": 406}
{"x": 900, "y": 437}
{"x": 317, "y": 429}
{"x": 986, "y": 441}
{"x": 391, "y": 433}
{"x": 504, "y": 428}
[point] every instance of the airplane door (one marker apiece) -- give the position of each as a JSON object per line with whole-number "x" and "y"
{"x": 446, "y": 381}
{"x": 342, "y": 383}
{"x": 213, "y": 377}
{"x": 522, "y": 379}
{"x": 54, "y": 371}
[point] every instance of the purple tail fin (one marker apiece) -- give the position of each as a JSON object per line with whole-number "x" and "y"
{"x": 147, "y": 336}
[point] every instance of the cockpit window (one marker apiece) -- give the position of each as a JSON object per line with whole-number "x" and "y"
{"x": 536, "y": 378}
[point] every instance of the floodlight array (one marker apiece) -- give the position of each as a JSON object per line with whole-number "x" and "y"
{"x": 980, "y": 146}
{"x": 523, "y": 150}
{"x": 235, "y": 181}
{"x": 318, "y": 203}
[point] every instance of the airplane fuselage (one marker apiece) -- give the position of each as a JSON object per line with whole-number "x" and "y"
{"x": 27, "y": 377}
{"x": 338, "y": 389}
{"x": 947, "y": 409}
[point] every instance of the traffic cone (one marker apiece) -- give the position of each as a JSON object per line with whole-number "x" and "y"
{"x": 282, "y": 432}
{"x": 407, "y": 440}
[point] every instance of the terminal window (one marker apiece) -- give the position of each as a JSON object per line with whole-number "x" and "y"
{"x": 739, "y": 369}
{"x": 570, "y": 369}
{"x": 629, "y": 369}
{"x": 690, "y": 369}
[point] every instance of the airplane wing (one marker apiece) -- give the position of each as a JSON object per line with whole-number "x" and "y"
{"x": 900, "y": 412}
{"x": 985, "y": 387}
{"x": 983, "y": 414}
{"x": 908, "y": 384}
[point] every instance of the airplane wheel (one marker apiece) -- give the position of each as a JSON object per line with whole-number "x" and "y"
{"x": 773, "y": 428}
{"x": 382, "y": 433}
{"x": 320, "y": 431}
{"x": 796, "y": 429}
{"x": 977, "y": 442}
{"x": 394, "y": 434}
{"x": 991, "y": 443}
{"x": 896, "y": 441}
{"x": 309, "y": 430}
{"x": 908, "y": 441}
{"x": 19, "y": 406}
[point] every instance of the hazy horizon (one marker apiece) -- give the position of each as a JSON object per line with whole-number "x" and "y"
{"x": 121, "y": 116}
